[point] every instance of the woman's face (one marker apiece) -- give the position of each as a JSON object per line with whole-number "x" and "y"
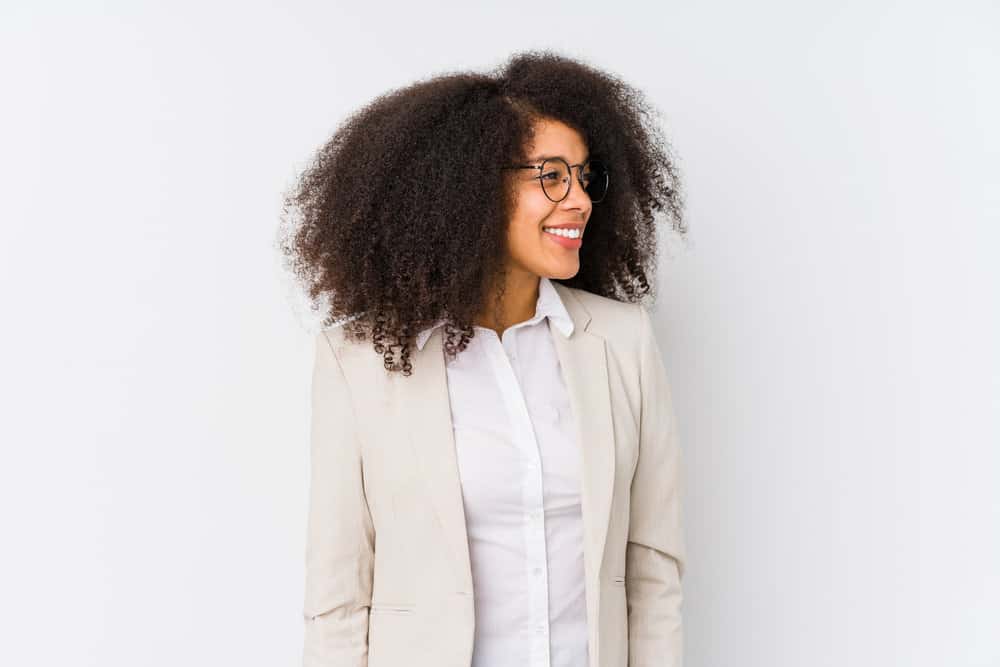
{"x": 532, "y": 249}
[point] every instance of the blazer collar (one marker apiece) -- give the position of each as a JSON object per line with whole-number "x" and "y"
{"x": 422, "y": 401}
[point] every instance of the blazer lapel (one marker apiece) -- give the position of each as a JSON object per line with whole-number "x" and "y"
{"x": 426, "y": 407}
{"x": 584, "y": 364}
{"x": 424, "y": 403}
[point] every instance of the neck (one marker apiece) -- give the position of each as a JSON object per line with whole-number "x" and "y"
{"x": 517, "y": 305}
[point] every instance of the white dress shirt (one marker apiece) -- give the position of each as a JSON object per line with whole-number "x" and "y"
{"x": 519, "y": 461}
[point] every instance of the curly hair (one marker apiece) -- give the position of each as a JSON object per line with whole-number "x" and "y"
{"x": 403, "y": 212}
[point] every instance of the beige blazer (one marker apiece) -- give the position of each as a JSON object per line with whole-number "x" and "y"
{"x": 388, "y": 578}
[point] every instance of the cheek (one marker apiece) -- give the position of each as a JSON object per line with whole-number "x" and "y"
{"x": 526, "y": 226}
{"x": 530, "y": 212}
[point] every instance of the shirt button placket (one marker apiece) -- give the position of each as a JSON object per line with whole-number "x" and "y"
{"x": 537, "y": 561}
{"x": 534, "y": 525}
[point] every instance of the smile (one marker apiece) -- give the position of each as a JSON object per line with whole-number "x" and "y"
{"x": 567, "y": 238}
{"x": 567, "y": 233}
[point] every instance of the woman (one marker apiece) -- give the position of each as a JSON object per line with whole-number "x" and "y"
{"x": 504, "y": 488}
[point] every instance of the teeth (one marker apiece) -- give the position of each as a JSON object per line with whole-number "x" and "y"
{"x": 568, "y": 233}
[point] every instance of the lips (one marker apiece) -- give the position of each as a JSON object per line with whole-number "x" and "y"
{"x": 565, "y": 241}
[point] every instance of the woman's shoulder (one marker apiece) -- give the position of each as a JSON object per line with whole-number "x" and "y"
{"x": 617, "y": 321}
{"x": 602, "y": 306}
{"x": 341, "y": 340}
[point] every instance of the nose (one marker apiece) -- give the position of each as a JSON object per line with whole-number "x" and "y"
{"x": 577, "y": 197}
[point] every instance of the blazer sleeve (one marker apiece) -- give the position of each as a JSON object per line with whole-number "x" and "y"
{"x": 655, "y": 553}
{"x": 340, "y": 541}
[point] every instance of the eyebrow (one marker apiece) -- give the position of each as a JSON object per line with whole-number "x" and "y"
{"x": 540, "y": 158}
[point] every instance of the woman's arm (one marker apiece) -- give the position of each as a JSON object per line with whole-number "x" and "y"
{"x": 340, "y": 545}
{"x": 655, "y": 554}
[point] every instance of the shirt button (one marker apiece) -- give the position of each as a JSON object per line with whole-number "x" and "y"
{"x": 537, "y": 571}
{"x": 540, "y": 629}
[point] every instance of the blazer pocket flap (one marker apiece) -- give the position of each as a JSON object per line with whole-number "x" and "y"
{"x": 392, "y": 608}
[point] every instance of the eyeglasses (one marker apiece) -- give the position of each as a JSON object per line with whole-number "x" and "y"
{"x": 554, "y": 175}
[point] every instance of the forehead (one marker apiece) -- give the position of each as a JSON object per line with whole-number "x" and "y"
{"x": 553, "y": 138}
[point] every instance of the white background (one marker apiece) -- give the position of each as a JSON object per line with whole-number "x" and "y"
{"x": 830, "y": 330}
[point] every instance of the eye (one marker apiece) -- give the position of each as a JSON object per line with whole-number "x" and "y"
{"x": 550, "y": 175}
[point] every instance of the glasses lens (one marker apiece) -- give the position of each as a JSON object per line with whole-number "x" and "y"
{"x": 595, "y": 178}
{"x": 555, "y": 179}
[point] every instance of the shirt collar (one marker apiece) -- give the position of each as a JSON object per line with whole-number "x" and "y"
{"x": 549, "y": 304}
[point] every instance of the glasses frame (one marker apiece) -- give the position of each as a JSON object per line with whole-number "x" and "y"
{"x": 569, "y": 168}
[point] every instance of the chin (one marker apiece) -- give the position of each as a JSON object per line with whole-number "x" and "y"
{"x": 564, "y": 273}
